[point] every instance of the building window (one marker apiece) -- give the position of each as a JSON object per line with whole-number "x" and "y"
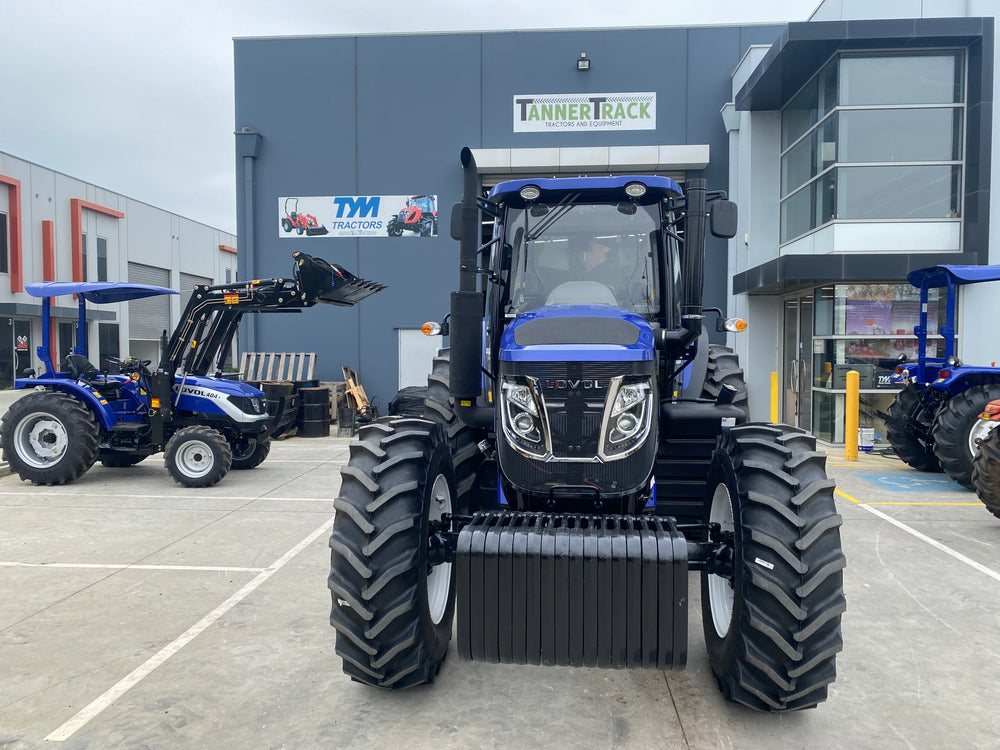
{"x": 4, "y": 245}
{"x": 865, "y": 327}
{"x": 83, "y": 255}
{"x": 229, "y": 276}
{"x": 102, "y": 259}
{"x": 874, "y": 136}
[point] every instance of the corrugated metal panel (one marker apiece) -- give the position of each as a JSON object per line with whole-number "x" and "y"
{"x": 188, "y": 281}
{"x": 148, "y": 317}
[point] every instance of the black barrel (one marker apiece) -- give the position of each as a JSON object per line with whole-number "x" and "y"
{"x": 281, "y": 404}
{"x": 314, "y": 412}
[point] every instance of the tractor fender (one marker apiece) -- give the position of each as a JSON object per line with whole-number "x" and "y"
{"x": 99, "y": 406}
{"x": 963, "y": 378}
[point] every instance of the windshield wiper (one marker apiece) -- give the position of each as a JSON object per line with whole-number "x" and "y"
{"x": 562, "y": 208}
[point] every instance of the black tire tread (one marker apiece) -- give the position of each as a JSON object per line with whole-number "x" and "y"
{"x": 724, "y": 369}
{"x": 261, "y": 449}
{"x": 986, "y": 473}
{"x": 463, "y": 440}
{"x": 790, "y": 634}
{"x": 910, "y": 439}
{"x": 207, "y": 435}
{"x": 79, "y": 423}
{"x": 374, "y": 581}
{"x": 951, "y": 430}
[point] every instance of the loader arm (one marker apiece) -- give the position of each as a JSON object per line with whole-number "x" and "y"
{"x": 213, "y": 313}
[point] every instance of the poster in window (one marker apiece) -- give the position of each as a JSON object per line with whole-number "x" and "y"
{"x": 868, "y": 317}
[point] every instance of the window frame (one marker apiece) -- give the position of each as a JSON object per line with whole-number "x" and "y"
{"x": 834, "y": 112}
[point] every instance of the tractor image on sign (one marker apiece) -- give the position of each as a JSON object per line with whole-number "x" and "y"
{"x": 204, "y": 424}
{"x": 419, "y": 215}
{"x": 301, "y": 223}
{"x": 933, "y": 424}
{"x": 585, "y": 448}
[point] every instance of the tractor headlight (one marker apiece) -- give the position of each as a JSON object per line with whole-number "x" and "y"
{"x": 627, "y": 418}
{"x": 523, "y": 418}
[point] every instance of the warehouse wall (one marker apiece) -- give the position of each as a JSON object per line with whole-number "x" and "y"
{"x": 387, "y": 115}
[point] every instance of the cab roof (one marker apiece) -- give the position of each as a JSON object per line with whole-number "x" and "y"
{"x": 938, "y": 276}
{"x": 596, "y": 189}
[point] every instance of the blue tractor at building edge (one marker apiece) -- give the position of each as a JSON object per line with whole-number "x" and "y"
{"x": 585, "y": 448}
{"x": 205, "y": 424}
{"x": 934, "y": 422}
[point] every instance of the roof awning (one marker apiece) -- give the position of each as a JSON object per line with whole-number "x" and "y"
{"x": 803, "y": 47}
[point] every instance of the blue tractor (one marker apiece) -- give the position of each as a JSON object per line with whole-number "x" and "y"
{"x": 584, "y": 448}
{"x": 205, "y": 424}
{"x": 933, "y": 423}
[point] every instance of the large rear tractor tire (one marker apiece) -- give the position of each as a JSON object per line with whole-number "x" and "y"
{"x": 250, "y": 454}
{"x": 986, "y": 472}
{"x": 393, "y": 602}
{"x": 49, "y": 438}
{"x": 908, "y": 429}
{"x": 724, "y": 369}
{"x": 772, "y": 621}
{"x": 958, "y": 428}
{"x": 462, "y": 439}
{"x": 197, "y": 456}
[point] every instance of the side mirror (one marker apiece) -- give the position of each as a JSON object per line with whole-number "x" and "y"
{"x": 723, "y": 218}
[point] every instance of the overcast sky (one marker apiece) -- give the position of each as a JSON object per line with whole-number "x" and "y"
{"x": 136, "y": 96}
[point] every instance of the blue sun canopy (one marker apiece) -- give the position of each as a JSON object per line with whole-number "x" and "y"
{"x": 97, "y": 292}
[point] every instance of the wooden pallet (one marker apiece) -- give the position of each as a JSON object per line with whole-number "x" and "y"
{"x": 294, "y": 366}
{"x": 357, "y": 399}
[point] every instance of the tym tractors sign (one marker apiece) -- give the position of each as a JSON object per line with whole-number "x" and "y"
{"x": 537, "y": 113}
{"x": 358, "y": 216}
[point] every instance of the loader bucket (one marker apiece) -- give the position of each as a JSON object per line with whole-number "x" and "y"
{"x": 330, "y": 283}
{"x": 316, "y": 231}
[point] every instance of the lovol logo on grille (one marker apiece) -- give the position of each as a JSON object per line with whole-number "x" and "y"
{"x": 562, "y": 385}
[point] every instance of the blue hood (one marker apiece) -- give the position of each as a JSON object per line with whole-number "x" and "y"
{"x": 578, "y": 333}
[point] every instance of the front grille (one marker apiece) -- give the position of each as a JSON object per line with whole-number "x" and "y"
{"x": 574, "y": 414}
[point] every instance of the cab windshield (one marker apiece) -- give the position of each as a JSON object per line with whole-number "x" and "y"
{"x": 599, "y": 254}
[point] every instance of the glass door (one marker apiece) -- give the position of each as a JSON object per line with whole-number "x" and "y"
{"x": 797, "y": 361}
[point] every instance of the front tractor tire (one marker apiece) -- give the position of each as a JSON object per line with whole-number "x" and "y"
{"x": 250, "y": 453}
{"x": 986, "y": 472}
{"x": 197, "y": 456}
{"x": 49, "y": 438}
{"x": 958, "y": 428}
{"x": 393, "y": 596}
{"x": 908, "y": 429}
{"x": 772, "y": 617}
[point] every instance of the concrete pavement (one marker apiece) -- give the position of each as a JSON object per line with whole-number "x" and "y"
{"x": 136, "y": 613}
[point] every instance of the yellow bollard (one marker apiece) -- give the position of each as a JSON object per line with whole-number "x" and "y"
{"x": 851, "y": 402}
{"x": 774, "y": 397}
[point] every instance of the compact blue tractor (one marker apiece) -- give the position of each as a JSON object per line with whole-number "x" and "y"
{"x": 203, "y": 423}
{"x": 933, "y": 424}
{"x": 585, "y": 448}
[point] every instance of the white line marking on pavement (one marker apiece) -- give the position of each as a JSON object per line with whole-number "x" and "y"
{"x": 241, "y": 498}
{"x": 112, "y": 566}
{"x": 72, "y": 726}
{"x": 933, "y": 542}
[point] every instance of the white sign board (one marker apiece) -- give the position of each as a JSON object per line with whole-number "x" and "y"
{"x": 358, "y": 216}
{"x": 538, "y": 113}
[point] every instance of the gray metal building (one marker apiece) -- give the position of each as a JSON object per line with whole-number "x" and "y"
{"x": 328, "y": 124}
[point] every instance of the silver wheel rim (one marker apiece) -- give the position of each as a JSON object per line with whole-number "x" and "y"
{"x": 720, "y": 589}
{"x": 439, "y": 576}
{"x": 195, "y": 458}
{"x": 41, "y": 440}
{"x": 981, "y": 429}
